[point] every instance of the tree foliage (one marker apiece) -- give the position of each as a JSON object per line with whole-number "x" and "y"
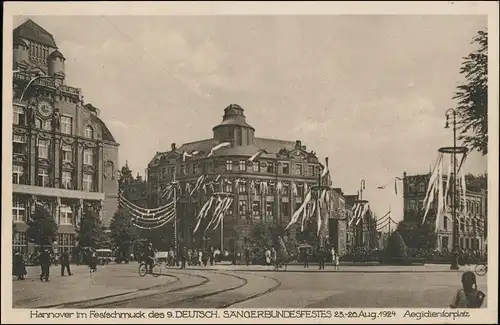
{"x": 123, "y": 232}
{"x": 472, "y": 96}
{"x": 416, "y": 235}
{"x": 42, "y": 229}
{"x": 396, "y": 246}
{"x": 477, "y": 183}
{"x": 260, "y": 235}
{"x": 90, "y": 232}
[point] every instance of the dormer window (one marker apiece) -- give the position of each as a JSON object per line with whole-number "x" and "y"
{"x": 89, "y": 132}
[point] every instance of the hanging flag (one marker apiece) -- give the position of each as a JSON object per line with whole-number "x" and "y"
{"x": 217, "y": 147}
{"x": 464, "y": 190}
{"x": 440, "y": 194}
{"x": 434, "y": 175}
{"x": 297, "y": 213}
{"x": 318, "y": 217}
{"x": 294, "y": 189}
{"x": 448, "y": 182}
{"x": 429, "y": 202}
{"x": 257, "y": 155}
{"x": 198, "y": 184}
{"x": 263, "y": 187}
{"x": 187, "y": 155}
{"x": 325, "y": 168}
{"x": 381, "y": 187}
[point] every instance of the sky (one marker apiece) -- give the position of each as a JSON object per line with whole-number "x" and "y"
{"x": 369, "y": 92}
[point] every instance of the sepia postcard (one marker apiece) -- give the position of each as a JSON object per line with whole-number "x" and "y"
{"x": 250, "y": 162}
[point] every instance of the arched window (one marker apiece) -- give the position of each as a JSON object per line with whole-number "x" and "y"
{"x": 89, "y": 132}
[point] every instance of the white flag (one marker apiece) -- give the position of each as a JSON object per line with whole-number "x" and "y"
{"x": 217, "y": 147}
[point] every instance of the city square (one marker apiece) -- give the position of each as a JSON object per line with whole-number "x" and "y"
{"x": 249, "y": 185}
{"x": 227, "y": 286}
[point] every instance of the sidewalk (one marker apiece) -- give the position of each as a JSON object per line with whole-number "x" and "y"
{"x": 82, "y": 285}
{"x": 350, "y": 268}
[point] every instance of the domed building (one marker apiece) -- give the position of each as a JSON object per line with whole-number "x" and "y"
{"x": 64, "y": 155}
{"x": 286, "y": 168}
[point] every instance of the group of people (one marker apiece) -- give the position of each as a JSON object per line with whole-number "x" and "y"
{"x": 45, "y": 258}
{"x": 321, "y": 255}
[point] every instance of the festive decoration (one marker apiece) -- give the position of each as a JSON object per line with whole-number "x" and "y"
{"x": 217, "y": 147}
{"x": 257, "y": 155}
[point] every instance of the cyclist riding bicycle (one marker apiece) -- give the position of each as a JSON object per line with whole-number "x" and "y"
{"x": 149, "y": 256}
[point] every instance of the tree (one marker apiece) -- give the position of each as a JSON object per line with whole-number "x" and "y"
{"x": 472, "y": 96}
{"x": 260, "y": 235}
{"x": 42, "y": 229}
{"x": 476, "y": 183}
{"x": 416, "y": 235}
{"x": 123, "y": 232}
{"x": 396, "y": 246}
{"x": 90, "y": 232}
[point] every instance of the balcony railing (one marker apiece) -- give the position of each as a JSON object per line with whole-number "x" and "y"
{"x": 46, "y": 82}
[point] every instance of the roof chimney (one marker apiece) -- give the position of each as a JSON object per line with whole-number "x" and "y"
{"x": 173, "y": 146}
{"x": 298, "y": 144}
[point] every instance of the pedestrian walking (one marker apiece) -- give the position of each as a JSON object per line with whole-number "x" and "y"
{"x": 332, "y": 251}
{"x": 321, "y": 258}
{"x": 247, "y": 256}
{"x": 267, "y": 255}
{"x": 45, "y": 262}
{"x": 212, "y": 256}
{"x": 337, "y": 261}
{"x": 305, "y": 256}
{"x": 19, "y": 266}
{"x": 65, "y": 263}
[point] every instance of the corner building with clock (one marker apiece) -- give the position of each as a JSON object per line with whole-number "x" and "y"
{"x": 64, "y": 156}
{"x": 286, "y": 162}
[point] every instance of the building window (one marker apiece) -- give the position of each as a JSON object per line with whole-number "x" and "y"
{"x": 256, "y": 166}
{"x": 270, "y": 167}
{"x": 445, "y": 243}
{"x": 229, "y": 165}
{"x": 43, "y": 178}
{"x": 242, "y": 207}
{"x": 18, "y": 144}
{"x": 242, "y": 188}
{"x": 298, "y": 169}
{"x": 66, "y": 215}
{"x": 297, "y": 206}
{"x": 19, "y": 115}
{"x": 411, "y": 205}
{"x": 228, "y": 188}
{"x": 269, "y": 210}
{"x": 66, "y": 242}
{"x": 88, "y": 157}
{"x": 18, "y": 210}
{"x": 67, "y": 153}
{"x": 172, "y": 170}
{"x": 478, "y": 210}
{"x": 285, "y": 208}
{"x": 66, "y": 124}
{"x": 420, "y": 204}
{"x": 411, "y": 188}
{"x": 312, "y": 170}
{"x": 66, "y": 180}
{"x": 285, "y": 189}
{"x": 89, "y": 132}
{"x": 17, "y": 174}
{"x": 421, "y": 188}
{"x": 300, "y": 190}
{"x": 243, "y": 166}
{"x": 270, "y": 189}
{"x": 43, "y": 149}
{"x": 286, "y": 168}
{"x": 445, "y": 223}
{"x": 256, "y": 208}
{"x": 183, "y": 169}
{"x": 196, "y": 169}
{"x": 19, "y": 243}
{"x": 88, "y": 182}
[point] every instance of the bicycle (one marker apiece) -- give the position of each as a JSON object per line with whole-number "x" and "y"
{"x": 155, "y": 270}
{"x": 481, "y": 269}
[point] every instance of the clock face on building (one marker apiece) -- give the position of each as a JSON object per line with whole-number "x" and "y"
{"x": 45, "y": 108}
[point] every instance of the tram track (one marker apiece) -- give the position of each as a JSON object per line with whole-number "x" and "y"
{"x": 94, "y": 303}
{"x": 257, "y": 295}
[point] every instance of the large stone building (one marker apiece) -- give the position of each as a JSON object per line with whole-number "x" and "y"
{"x": 287, "y": 163}
{"x": 133, "y": 189}
{"x": 64, "y": 156}
{"x": 472, "y": 232}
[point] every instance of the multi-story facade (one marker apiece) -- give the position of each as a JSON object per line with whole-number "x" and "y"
{"x": 64, "y": 156}
{"x": 472, "y": 232}
{"x": 284, "y": 162}
{"x": 133, "y": 189}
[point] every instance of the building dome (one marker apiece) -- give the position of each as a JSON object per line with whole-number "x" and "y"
{"x": 56, "y": 55}
{"x": 234, "y": 127}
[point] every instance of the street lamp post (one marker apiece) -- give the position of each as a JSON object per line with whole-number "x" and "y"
{"x": 454, "y": 236}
